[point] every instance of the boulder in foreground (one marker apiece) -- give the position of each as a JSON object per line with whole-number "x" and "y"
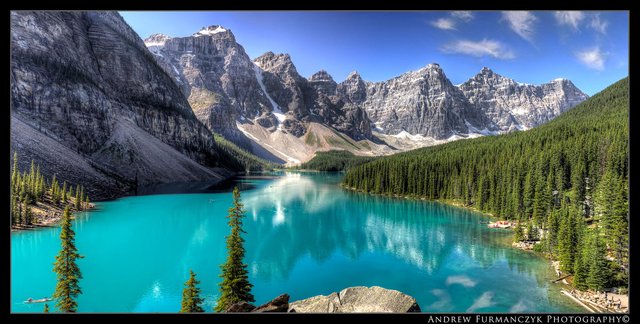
{"x": 358, "y": 300}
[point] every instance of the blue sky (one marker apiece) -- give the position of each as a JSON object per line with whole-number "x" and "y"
{"x": 589, "y": 47}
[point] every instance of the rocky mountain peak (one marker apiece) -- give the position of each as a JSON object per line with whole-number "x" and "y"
{"x": 486, "y": 71}
{"x": 487, "y": 76}
{"x": 156, "y": 40}
{"x": 354, "y": 75}
{"x": 211, "y": 30}
{"x": 512, "y": 105}
{"x": 321, "y": 75}
{"x": 434, "y": 66}
{"x": 276, "y": 62}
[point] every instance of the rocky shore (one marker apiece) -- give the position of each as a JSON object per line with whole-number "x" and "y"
{"x": 349, "y": 300}
{"x": 46, "y": 215}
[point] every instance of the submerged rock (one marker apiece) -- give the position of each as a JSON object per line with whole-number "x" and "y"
{"x": 358, "y": 300}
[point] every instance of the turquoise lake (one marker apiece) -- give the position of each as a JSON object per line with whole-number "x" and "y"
{"x": 305, "y": 236}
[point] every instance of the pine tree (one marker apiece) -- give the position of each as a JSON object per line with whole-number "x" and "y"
{"x": 77, "y": 198}
{"x": 64, "y": 192}
{"x": 518, "y": 232}
{"x": 532, "y": 232}
{"x": 618, "y": 234}
{"x": 235, "y": 285}
{"x": 66, "y": 268}
{"x": 580, "y": 269}
{"x": 191, "y": 299}
{"x": 54, "y": 189}
{"x": 46, "y": 308}
{"x": 567, "y": 241}
{"x": 552, "y": 231}
{"x": 598, "y": 268}
{"x": 27, "y": 217}
{"x": 15, "y": 174}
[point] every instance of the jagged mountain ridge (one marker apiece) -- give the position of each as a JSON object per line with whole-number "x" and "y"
{"x": 85, "y": 84}
{"x": 270, "y": 102}
{"x": 512, "y": 105}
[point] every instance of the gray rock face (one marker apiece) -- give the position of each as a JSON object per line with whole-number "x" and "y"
{"x": 218, "y": 77}
{"x": 358, "y": 300}
{"x": 224, "y": 87}
{"x": 86, "y": 81}
{"x": 511, "y": 105}
{"x": 421, "y": 102}
{"x": 278, "y": 304}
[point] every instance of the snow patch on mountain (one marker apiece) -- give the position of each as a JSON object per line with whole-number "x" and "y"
{"x": 276, "y": 109}
{"x": 209, "y": 31}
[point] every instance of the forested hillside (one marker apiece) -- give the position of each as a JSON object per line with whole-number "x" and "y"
{"x": 334, "y": 161}
{"x": 238, "y": 158}
{"x": 568, "y": 177}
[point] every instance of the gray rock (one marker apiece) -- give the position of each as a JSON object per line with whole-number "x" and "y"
{"x": 512, "y": 105}
{"x": 86, "y": 81}
{"x": 358, "y": 300}
{"x": 278, "y": 304}
{"x": 240, "y": 307}
{"x": 422, "y": 102}
{"x": 224, "y": 86}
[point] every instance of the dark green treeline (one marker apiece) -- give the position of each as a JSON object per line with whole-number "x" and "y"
{"x": 30, "y": 188}
{"x": 568, "y": 177}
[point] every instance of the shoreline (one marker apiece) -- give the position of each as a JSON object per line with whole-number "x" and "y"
{"x": 47, "y": 216}
{"x": 623, "y": 299}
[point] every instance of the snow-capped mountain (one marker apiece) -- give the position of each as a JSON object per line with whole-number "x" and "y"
{"x": 262, "y": 103}
{"x": 512, "y": 105}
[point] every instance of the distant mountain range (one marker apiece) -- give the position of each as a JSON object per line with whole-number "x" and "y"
{"x": 290, "y": 116}
{"x": 93, "y": 105}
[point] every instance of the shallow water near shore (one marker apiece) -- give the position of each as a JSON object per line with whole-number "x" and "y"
{"x": 305, "y": 236}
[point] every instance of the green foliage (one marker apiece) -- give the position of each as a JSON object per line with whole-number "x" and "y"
{"x": 66, "y": 269}
{"x": 539, "y": 247}
{"x": 580, "y": 270}
{"x": 191, "y": 299}
{"x": 518, "y": 232}
{"x": 239, "y": 158}
{"x": 532, "y": 232}
{"x": 595, "y": 252}
{"x": 46, "y": 308}
{"x": 235, "y": 286}
{"x": 573, "y": 167}
{"x": 27, "y": 188}
{"x": 334, "y": 160}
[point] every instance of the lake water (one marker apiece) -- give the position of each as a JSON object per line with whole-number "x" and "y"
{"x": 305, "y": 236}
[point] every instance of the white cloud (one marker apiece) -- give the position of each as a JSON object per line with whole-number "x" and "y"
{"x": 599, "y": 25}
{"x": 485, "y": 300}
{"x": 465, "y": 16}
{"x": 593, "y": 58}
{"x": 569, "y": 18}
{"x": 521, "y": 22}
{"x": 462, "y": 280}
{"x": 450, "y": 23}
{"x": 479, "y": 49}
{"x": 519, "y": 307}
{"x": 444, "y": 24}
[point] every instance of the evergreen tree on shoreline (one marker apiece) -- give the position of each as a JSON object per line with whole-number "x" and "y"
{"x": 66, "y": 268}
{"x": 191, "y": 299}
{"x": 235, "y": 285}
